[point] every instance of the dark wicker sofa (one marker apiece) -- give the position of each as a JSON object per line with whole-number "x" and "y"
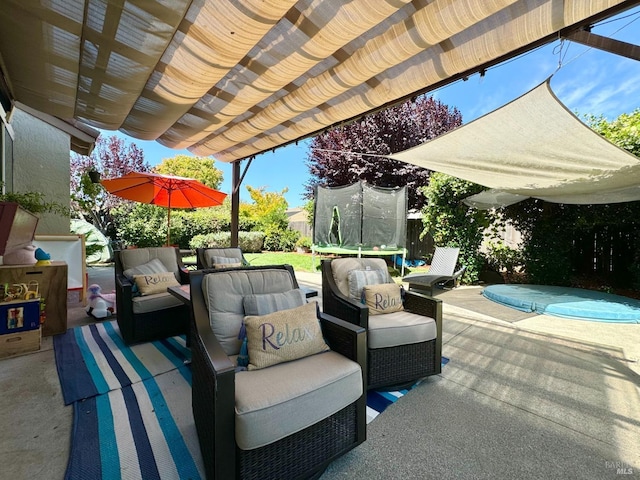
{"x": 398, "y": 365}
{"x": 306, "y": 452}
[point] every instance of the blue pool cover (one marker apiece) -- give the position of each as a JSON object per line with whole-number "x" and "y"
{"x": 566, "y": 302}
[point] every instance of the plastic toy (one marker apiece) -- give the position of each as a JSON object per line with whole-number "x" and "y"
{"x": 100, "y": 305}
{"x": 20, "y": 256}
{"x": 42, "y": 257}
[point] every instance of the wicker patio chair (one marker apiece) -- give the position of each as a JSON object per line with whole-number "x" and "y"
{"x": 288, "y": 420}
{"x": 146, "y": 317}
{"x": 403, "y": 346}
{"x": 209, "y": 257}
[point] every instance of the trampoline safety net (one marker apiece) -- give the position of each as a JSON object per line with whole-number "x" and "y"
{"x": 360, "y": 215}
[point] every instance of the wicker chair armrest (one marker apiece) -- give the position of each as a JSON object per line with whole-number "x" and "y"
{"x": 348, "y": 340}
{"x": 349, "y": 310}
{"x": 336, "y": 304}
{"x": 215, "y": 359}
{"x": 421, "y": 304}
{"x": 124, "y": 288}
{"x": 122, "y": 281}
{"x": 213, "y": 402}
{"x": 184, "y": 275}
{"x": 344, "y": 337}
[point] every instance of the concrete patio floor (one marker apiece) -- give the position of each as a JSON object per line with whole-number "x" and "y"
{"x": 523, "y": 396}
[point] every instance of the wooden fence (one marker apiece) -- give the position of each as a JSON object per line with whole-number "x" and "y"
{"x": 606, "y": 252}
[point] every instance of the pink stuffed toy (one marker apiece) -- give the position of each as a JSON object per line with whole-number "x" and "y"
{"x": 101, "y": 305}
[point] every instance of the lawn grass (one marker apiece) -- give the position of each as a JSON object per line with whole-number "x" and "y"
{"x": 301, "y": 262}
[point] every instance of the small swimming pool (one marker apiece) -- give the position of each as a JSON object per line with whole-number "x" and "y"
{"x": 566, "y": 302}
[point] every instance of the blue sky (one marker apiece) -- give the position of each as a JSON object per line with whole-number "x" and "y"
{"x": 589, "y": 82}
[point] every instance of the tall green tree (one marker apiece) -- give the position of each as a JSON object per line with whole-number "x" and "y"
{"x": 268, "y": 212}
{"x": 624, "y": 131}
{"x": 201, "y": 168}
{"x": 336, "y": 157}
{"x": 454, "y": 224}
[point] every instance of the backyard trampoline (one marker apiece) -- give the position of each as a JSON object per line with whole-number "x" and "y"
{"x": 566, "y": 302}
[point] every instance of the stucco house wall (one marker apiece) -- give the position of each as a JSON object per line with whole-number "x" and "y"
{"x": 41, "y": 163}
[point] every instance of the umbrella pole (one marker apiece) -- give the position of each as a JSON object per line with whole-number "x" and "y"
{"x": 168, "y": 227}
{"x": 169, "y": 220}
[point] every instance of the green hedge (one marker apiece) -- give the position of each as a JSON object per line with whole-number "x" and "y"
{"x": 249, "y": 242}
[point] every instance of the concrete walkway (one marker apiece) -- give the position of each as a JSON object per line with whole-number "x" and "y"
{"x": 522, "y": 397}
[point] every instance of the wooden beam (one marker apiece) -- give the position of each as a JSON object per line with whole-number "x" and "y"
{"x": 610, "y": 45}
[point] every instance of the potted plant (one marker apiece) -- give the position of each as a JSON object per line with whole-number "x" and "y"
{"x": 34, "y": 202}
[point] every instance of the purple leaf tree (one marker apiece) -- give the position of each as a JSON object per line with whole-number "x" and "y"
{"x": 337, "y": 157}
{"x": 111, "y": 157}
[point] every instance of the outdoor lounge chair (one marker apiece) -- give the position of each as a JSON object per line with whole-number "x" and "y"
{"x": 153, "y": 314}
{"x": 403, "y": 346}
{"x": 441, "y": 271}
{"x": 212, "y": 257}
{"x": 287, "y": 420}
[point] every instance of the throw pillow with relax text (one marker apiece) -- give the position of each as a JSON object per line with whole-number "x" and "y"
{"x": 155, "y": 282}
{"x": 383, "y": 298}
{"x": 283, "y": 336}
{"x": 226, "y": 265}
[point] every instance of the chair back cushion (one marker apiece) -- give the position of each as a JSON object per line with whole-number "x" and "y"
{"x": 266, "y": 303}
{"x": 143, "y": 261}
{"x": 342, "y": 268}
{"x": 216, "y": 257}
{"x": 224, "y": 294}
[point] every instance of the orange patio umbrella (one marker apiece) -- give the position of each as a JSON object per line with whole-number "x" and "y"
{"x": 164, "y": 190}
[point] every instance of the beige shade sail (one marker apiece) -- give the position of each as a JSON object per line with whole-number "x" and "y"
{"x": 235, "y": 78}
{"x": 532, "y": 147}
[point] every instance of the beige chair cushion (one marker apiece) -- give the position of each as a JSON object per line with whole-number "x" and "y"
{"x": 272, "y": 403}
{"x": 283, "y": 336}
{"x": 340, "y": 267}
{"x": 143, "y": 258}
{"x": 399, "y": 328}
{"x": 383, "y": 298}
{"x": 224, "y": 294}
{"x": 265, "y": 303}
{"x": 216, "y": 256}
{"x": 358, "y": 279}
{"x": 154, "y": 302}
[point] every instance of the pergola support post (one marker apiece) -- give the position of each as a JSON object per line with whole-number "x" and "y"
{"x": 235, "y": 203}
{"x": 235, "y": 199}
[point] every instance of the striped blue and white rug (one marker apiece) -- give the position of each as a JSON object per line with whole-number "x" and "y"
{"x": 143, "y": 430}
{"x": 132, "y": 406}
{"x": 94, "y": 359}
